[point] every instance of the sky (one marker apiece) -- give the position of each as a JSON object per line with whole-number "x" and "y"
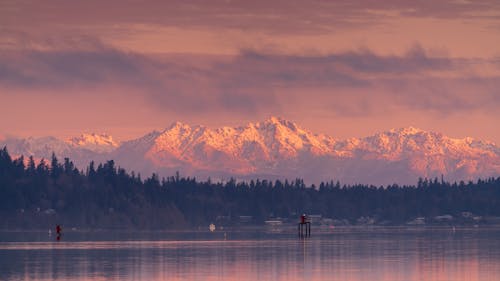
{"x": 344, "y": 68}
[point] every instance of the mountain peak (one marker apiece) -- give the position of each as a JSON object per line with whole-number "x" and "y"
{"x": 94, "y": 142}
{"x": 275, "y": 119}
{"x": 177, "y": 125}
{"x": 93, "y": 138}
{"x": 407, "y": 131}
{"x": 276, "y": 122}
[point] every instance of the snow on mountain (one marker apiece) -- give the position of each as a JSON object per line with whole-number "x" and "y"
{"x": 94, "y": 142}
{"x": 43, "y": 147}
{"x": 431, "y": 154}
{"x": 240, "y": 150}
{"x": 281, "y": 148}
{"x": 277, "y": 148}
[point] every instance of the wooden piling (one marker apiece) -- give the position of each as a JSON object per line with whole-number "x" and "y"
{"x": 304, "y": 229}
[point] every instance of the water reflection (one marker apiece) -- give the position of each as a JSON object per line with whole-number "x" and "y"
{"x": 394, "y": 254}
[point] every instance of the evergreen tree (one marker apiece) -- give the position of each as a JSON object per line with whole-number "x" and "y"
{"x": 110, "y": 197}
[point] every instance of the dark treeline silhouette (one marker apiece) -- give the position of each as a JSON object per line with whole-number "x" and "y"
{"x": 38, "y": 195}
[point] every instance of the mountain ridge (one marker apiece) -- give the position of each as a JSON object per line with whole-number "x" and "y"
{"x": 278, "y": 148}
{"x": 94, "y": 142}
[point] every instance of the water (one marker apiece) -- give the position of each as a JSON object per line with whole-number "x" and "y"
{"x": 341, "y": 254}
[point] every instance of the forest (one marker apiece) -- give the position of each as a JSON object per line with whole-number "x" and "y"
{"x": 39, "y": 194}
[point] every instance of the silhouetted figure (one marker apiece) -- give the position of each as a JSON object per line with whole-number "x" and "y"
{"x": 59, "y": 232}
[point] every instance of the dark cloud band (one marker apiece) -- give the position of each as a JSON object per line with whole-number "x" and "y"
{"x": 253, "y": 81}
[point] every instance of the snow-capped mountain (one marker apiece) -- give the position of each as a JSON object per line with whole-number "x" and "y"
{"x": 81, "y": 150}
{"x": 277, "y": 148}
{"x": 42, "y": 146}
{"x": 239, "y": 150}
{"x": 94, "y": 142}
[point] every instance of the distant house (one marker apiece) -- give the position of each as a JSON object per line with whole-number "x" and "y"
{"x": 444, "y": 218}
{"x": 49, "y": 212}
{"x": 467, "y": 215}
{"x": 273, "y": 222}
{"x": 245, "y": 219}
{"x": 417, "y": 221}
{"x": 314, "y": 218}
{"x": 223, "y": 218}
{"x": 365, "y": 220}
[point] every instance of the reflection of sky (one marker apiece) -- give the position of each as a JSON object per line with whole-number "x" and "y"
{"x": 463, "y": 255}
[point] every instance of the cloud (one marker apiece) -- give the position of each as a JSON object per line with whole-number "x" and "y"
{"x": 450, "y": 8}
{"x": 169, "y": 84}
{"x": 361, "y": 83}
{"x": 450, "y": 95}
{"x": 362, "y": 61}
{"x": 280, "y": 16}
{"x": 56, "y": 62}
{"x": 272, "y": 16}
{"x": 350, "y": 83}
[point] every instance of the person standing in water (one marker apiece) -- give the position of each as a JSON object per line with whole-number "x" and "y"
{"x": 59, "y": 232}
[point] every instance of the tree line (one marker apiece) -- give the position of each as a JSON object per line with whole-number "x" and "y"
{"x": 37, "y": 195}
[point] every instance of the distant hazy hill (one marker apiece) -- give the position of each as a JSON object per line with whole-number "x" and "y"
{"x": 277, "y": 148}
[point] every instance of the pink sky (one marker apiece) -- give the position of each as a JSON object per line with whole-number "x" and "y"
{"x": 345, "y": 68}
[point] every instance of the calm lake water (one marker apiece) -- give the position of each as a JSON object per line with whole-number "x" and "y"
{"x": 340, "y": 254}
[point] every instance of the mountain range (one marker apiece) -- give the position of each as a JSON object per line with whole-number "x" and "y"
{"x": 278, "y": 149}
